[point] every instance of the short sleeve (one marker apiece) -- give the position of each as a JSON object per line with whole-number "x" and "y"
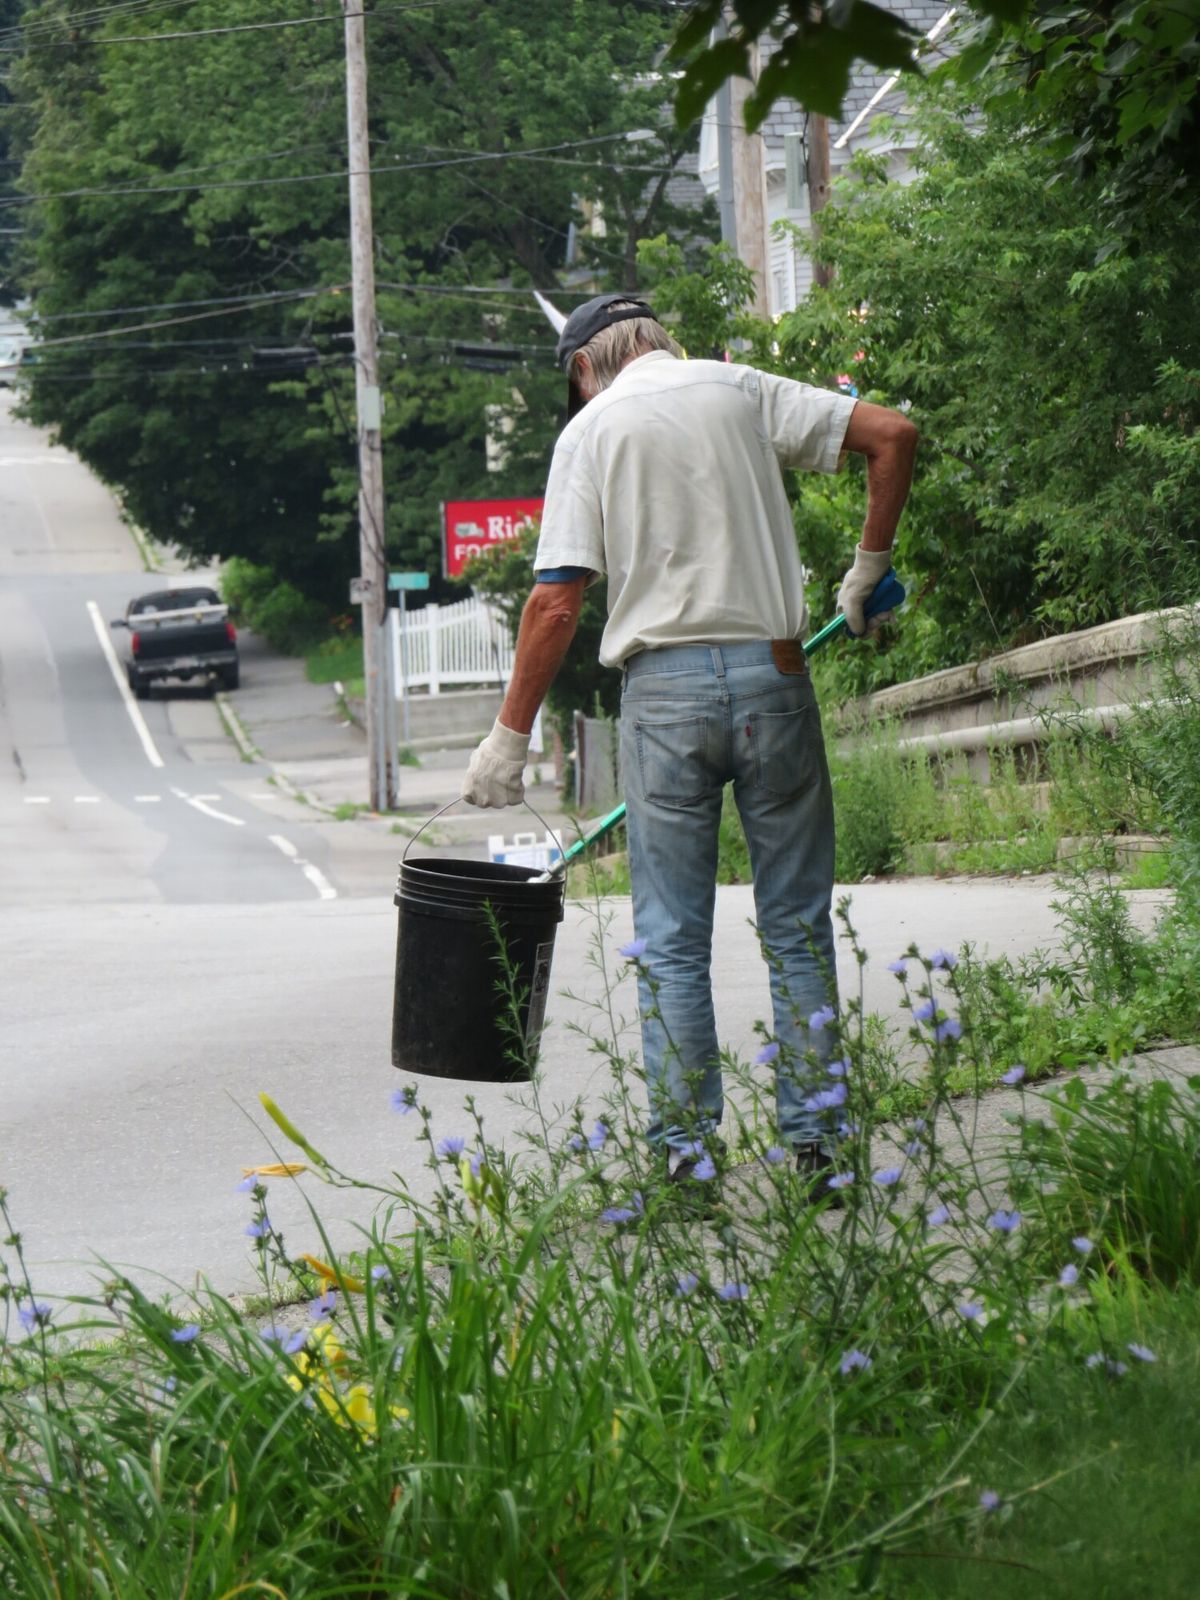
{"x": 572, "y": 533}
{"x": 805, "y": 425}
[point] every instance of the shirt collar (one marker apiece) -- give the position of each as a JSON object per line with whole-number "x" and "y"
{"x": 641, "y": 361}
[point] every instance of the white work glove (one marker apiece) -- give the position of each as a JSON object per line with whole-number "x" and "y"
{"x": 859, "y": 584}
{"x": 496, "y": 775}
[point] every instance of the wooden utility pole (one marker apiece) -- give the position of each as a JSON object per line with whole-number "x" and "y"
{"x": 749, "y": 215}
{"x": 817, "y": 141}
{"x": 383, "y": 764}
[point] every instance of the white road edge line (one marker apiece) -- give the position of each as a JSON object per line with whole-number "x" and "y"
{"x": 209, "y": 811}
{"x": 123, "y": 689}
{"x": 37, "y": 799}
{"x": 315, "y": 876}
{"x": 318, "y": 880}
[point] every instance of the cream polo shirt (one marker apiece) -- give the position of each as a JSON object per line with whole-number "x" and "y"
{"x": 669, "y": 482}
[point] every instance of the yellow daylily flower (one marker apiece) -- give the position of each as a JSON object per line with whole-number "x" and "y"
{"x": 276, "y": 1169}
{"x": 333, "y": 1275}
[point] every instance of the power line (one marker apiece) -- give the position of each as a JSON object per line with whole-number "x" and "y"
{"x": 176, "y": 305}
{"x": 165, "y": 322}
{"x": 209, "y": 33}
{"x": 94, "y": 17}
{"x": 537, "y": 154}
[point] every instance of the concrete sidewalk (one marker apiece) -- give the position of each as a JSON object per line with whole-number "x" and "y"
{"x": 318, "y": 755}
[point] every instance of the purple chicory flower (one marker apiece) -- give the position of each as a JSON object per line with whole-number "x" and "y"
{"x": 767, "y": 1054}
{"x": 848, "y": 1130}
{"x": 939, "y": 1215}
{"x": 919, "y": 1125}
{"x": 1069, "y": 1276}
{"x": 576, "y": 1142}
{"x": 258, "y": 1230}
{"x": 380, "y": 1272}
{"x": 926, "y": 1011}
{"x": 943, "y": 961}
{"x": 1141, "y": 1352}
{"x": 287, "y": 1343}
{"x": 598, "y": 1136}
{"x": 1083, "y": 1244}
{"x": 704, "y": 1169}
{"x": 476, "y": 1159}
{"x": 614, "y": 1215}
{"x": 841, "y": 1180}
{"x": 1013, "y": 1075}
{"x": 634, "y": 950}
{"x": 452, "y": 1145}
{"x": 1005, "y": 1221}
{"x": 990, "y": 1500}
{"x": 886, "y": 1177}
{"x": 404, "y": 1100}
{"x": 323, "y": 1306}
{"x": 1115, "y": 1369}
{"x": 687, "y": 1283}
{"x": 827, "y": 1099}
{"x": 838, "y": 1069}
{"x": 776, "y": 1155}
{"x": 247, "y": 1185}
{"x": 35, "y": 1314}
{"x": 970, "y": 1311}
{"x": 900, "y": 968}
{"x": 185, "y": 1335}
{"x": 734, "y": 1291}
{"x": 822, "y": 1018}
{"x": 855, "y": 1361}
{"x": 950, "y": 1029}
{"x": 913, "y": 1149}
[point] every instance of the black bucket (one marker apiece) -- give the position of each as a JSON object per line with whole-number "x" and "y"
{"x": 452, "y": 1015}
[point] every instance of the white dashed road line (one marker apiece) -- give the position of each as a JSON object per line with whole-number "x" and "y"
{"x": 123, "y": 689}
{"x": 147, "y": 799}
{"x": 200, "y": 803}
{"x": 315, "y": 876}
{"x": 37, "y": 799}
{"x": 87, "y": 799}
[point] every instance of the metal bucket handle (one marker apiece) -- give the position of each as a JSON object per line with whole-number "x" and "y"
{"x": 430, "y": 820}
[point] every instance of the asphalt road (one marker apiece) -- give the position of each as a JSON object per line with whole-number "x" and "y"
{"x": 175, "y": 938}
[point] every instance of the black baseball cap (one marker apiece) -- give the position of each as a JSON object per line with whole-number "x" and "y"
{"x": 585, "y": 322}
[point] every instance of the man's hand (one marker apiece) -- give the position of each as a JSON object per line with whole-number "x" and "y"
{"x": 859, "y": 584}
{"x": 496, "y": 775}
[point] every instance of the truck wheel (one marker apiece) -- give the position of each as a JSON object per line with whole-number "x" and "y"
{"x": 141, "y": 687}
{"x": 230, "y": 677}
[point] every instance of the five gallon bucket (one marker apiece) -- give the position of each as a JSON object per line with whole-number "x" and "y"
{"x": 469, "y": 1004}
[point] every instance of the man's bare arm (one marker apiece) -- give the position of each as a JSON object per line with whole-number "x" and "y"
{"x": 889, "y": 442}
{"x": 548, "y": 625}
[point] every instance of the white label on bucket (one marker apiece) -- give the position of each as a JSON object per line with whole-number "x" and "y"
{"x": 539, "y": 991}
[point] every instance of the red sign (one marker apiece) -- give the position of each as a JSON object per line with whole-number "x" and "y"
{"x": 473, "y": 526}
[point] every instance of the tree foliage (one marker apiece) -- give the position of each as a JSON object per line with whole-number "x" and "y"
{"x": 229, "y": 428}
{"x": 1058, "y": 480}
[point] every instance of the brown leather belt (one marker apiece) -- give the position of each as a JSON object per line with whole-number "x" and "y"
{"x": 788, "y": 656}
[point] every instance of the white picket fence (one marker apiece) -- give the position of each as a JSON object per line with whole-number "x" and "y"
{"x": 467, "y": 642}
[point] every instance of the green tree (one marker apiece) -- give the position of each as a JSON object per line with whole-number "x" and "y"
{"x": 493, "y": 130}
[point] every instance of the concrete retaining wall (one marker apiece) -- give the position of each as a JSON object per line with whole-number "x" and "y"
{"x": 995, "y": 704}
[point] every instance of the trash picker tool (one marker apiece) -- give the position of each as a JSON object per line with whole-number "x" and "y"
{"x": 888, "y": 595}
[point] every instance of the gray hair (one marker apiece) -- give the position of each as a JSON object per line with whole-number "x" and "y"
{"x": 613, "y": 346}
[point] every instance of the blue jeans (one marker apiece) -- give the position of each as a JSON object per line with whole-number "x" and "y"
{"x": 694, "y": 718}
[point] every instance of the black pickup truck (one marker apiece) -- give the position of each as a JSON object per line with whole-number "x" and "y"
{"x": 179, "y": 633}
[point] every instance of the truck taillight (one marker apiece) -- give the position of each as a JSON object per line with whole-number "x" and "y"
{"x": 231, "y": 633}
{"x": 135, "y": 642}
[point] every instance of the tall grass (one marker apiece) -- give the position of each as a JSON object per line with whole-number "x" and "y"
{"x": 563, "y": 1376}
